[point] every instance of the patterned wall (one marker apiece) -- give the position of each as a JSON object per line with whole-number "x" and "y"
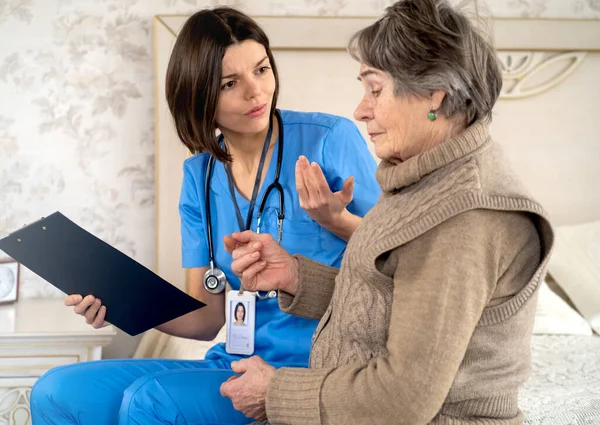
{"x": 76, "y": 107}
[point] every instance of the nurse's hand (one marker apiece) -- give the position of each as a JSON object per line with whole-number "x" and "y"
{"x": 260, "y": 263}
{"x": 249, "y": 392}
{"x": 319, "y": 202}
{"x": 89, "y": 307}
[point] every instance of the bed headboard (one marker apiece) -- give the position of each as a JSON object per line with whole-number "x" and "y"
{"x": 546, "y": 119}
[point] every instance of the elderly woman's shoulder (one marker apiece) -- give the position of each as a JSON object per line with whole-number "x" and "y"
{"x": 513, "y": 228}
{"x": 481, "y": 231}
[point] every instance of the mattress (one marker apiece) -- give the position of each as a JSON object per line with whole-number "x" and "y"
{"x": 564, "y": 388}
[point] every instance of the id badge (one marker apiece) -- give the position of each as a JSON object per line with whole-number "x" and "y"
{"x": 240, "y": 322}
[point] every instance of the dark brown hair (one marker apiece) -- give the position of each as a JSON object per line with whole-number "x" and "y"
{"x": 427, "y": 45}
{"x": 193, "y": 82}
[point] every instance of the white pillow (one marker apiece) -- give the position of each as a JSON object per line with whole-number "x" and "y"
{"x": 155, "y": 344}
{"x": 189, "y": 349}
{"x": 575, "y": 265}
{"x": 555, "y": 316}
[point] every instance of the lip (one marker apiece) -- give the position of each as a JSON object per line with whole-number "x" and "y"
{"x": 373, "y": 135}
{"x": 257, "y": 111}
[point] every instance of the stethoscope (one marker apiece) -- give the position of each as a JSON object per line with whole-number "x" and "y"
{"x": 214, "y": 278}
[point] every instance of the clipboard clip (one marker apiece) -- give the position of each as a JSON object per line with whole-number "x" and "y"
{"x": 4, "y": 234}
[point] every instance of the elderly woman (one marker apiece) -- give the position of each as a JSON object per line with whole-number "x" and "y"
{"x": 429, "y": 318}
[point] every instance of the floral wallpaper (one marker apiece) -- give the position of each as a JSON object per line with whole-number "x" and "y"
{"x": 76, "y": 107}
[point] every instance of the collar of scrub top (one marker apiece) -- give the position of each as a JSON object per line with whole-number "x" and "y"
{"x": 273, "y": 186}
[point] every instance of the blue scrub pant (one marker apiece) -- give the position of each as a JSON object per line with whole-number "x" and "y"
{"x": 140, "y": 391}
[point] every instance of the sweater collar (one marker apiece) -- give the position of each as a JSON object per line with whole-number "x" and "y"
{"x": 393, "y": 177}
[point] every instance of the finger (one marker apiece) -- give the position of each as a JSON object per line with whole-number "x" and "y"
{"x": 240, "y": 265}
{"x": 300, "y": 183}
{"x": 243, "y": 250}
{"x": 313, "y": 184}
{"x": 346, "y": 194}
{"x": 99, "y": 321}
{"x": 320, "y": 179}
{"x": 90, "y": 313}
{"x": 231, "y": 378}
{"x": 231, "y": 387}
{"x": 241, "y": 366}
{"x": 226, "y": 389}
{"x": 245, "y": 237}
{"x": 304, "y": 162}
{"x": 307, "y": 174}
{"x": 265, "y": 239}
{"x": 256, "y": 360}
{"x": 230, "y": 244}
{"x": 250, "y": 274}
{"x": 81, "y": 307}
{"x": 73, "y": 299}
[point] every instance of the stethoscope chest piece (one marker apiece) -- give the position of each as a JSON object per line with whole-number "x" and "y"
{"x": 214, "y": 280}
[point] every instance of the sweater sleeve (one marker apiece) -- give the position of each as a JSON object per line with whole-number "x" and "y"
{"x": 315, "y": 287}
{"x": 443, "y": 280}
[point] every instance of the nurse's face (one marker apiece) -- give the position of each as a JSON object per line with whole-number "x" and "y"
{"x": 247, "y": 88}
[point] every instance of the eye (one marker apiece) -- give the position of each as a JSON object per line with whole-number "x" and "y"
{"x": 263, "y": 69}
{"x": 228, "y": 85}
{"x": 376, "y": 93}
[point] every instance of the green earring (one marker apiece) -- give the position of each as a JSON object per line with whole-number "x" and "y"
{"x": 432, "y": 115}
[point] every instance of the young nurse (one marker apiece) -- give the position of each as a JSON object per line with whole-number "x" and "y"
{"x": 222, "y": 80}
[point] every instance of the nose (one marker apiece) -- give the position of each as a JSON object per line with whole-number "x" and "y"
{"x": 252, "y": 88}
{"x": 364, "y": 111}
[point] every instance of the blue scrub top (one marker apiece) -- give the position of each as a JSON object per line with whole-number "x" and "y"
{"x": 338, "y": 147}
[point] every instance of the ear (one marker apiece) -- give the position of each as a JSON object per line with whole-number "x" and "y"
{"x": 436, "y": 99}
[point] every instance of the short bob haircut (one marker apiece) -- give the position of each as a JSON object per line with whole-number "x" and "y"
{"x": 193, "y": 82}
{"x": 427, "y": 45}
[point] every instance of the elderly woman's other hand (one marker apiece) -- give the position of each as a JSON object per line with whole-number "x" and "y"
{"x": 249, "y": 391}
{"x": 260, "y": 263}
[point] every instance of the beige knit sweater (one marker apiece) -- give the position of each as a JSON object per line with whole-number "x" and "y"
{"x": 429, "y": 319}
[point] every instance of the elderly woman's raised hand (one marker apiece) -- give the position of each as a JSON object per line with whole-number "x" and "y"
{"x": 260, "y": 263}
{"x": 319, "y": 202}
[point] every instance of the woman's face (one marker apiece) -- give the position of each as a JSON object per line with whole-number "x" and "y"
{"x": 247, "y": 88}
{"x": 397, "y": 125}
{"x": 239, "y": 313}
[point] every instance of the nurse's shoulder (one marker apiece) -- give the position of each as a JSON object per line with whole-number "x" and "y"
{"x": 316, "y": 132}
{"x": 196, "y": 164}
{"x": 315, "y": 120}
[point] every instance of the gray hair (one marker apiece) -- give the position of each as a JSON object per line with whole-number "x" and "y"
{"x": 427, "y": 45}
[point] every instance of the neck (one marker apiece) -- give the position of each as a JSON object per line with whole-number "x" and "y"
{"x": 443, "y": 131}
{"x": 246, "y": 149}
{"x": 450, "y": 129}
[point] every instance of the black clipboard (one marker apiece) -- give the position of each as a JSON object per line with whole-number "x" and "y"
{"x": 77, "y": 262}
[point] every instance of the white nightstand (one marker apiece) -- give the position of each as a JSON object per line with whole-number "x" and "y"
{"x": 37, "y": 335}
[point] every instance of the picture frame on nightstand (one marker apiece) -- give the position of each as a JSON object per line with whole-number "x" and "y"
{"x": 9, "y": 281}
